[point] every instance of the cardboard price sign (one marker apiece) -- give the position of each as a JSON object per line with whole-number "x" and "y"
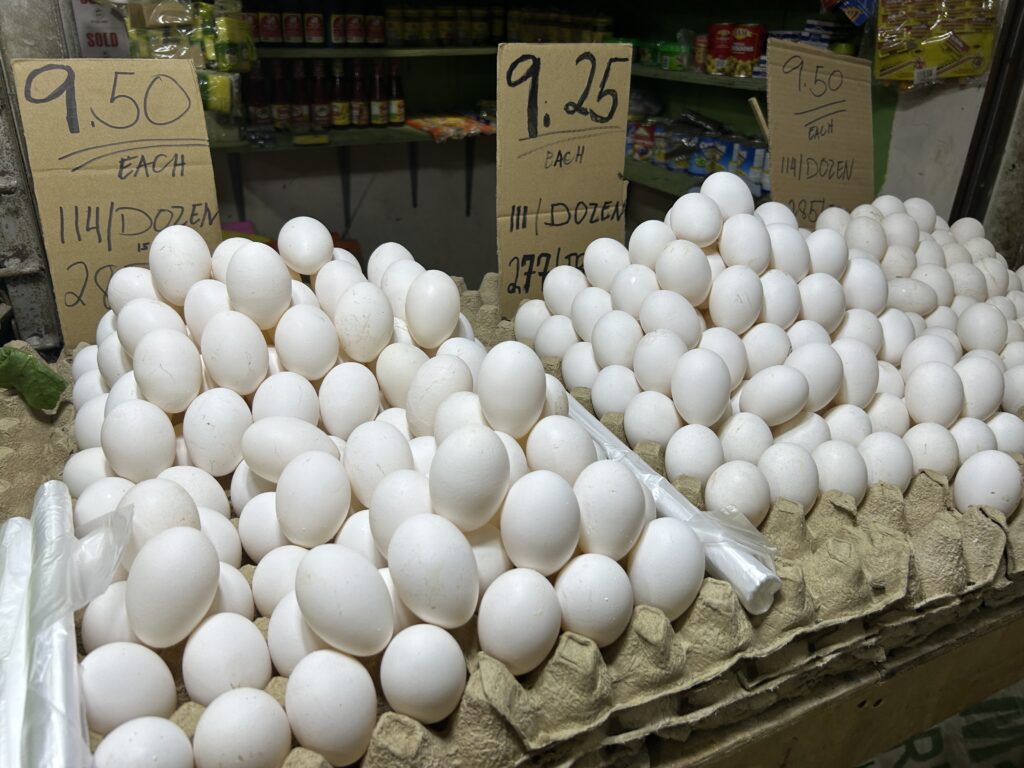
{"x": 561, "y": 148}
{"x": 118, "y": 151}
{"x": 819, "y": 113}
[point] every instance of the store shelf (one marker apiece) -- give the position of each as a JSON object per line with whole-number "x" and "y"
{"x": 647, "y": 175}
{"x": 312, "y": 52}
{"x": 351, "y": 137}
{"x": 701, "y": 78}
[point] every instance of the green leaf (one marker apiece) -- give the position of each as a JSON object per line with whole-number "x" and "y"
{"x": 31, "y": 377}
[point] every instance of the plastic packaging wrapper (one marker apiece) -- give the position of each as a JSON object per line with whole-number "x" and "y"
{"x": 736, "y": 551}
{"x": 445, "y": 127}
{"x": 920, "y": 42}
{"x": 46, "y": 574}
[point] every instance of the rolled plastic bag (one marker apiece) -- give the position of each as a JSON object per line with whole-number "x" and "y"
{"x": 66, "y": 573}
{"x": 15, "y": 567}
{"x": 735, "y": 550}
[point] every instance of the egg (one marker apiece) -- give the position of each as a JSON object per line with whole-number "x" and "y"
{"x": 99, "y": 499}
{"x": 108, "y": 323}
{"x": 305, "y": 244}
{"x": 178, "y": 258}
{"x": 781, "y": 304}
{"x": 489, "y": 554}
{"x": 790, "y": 253}
{"x": 934, "y": 393}
{"x": 213, "y": 427}
{"x": 741, "y": 486}
{"x": 519, "y": 619}
{"x": 841, "y": 468}
{"x": 140, "y": 316}
{"x": 791, "y": 474}
{"x": 766, "y": 345}
{"x": 602, "y": 260}
{"x": 728, "y": 346}
{"x": 234, "y": 595}
{"x": 168, "y": 369}
{"x": 807, "y": 332}
{"x": 138, "y": 440}
{"x": 989, "y": 478}
{"x": 561, "y": 445}
{"x": 822, "y": 369}
{"x": 776, "y": 213}
{"x": 243, "y": 726}
{"x": 695, "y": 217}
{"x": 112, "y": 359}
{"x": 588, "y": 306}
{"x": 615, "y": 337}
{"x": 469, "y": 476}
{"x": 862, "y": 325}
{"x": 258, "y": 527}
{"x": 746, "y": 241}
{"x": 286, "y": 394}
{"x": 89, "y": 422}
{"x": 105, "y": 619}
{"x": 730, "y": 192}
{"x": 650, "y": 416}
{"x": 669, "y": 311}
{"x": 460, "y": 409}
{"x": 654, "y": 360}
{"x": 555, "y": 336}
{"x": 224, "y": 652}
{"x": 271, "y": 443}
{"x": 512, "y": 387}
{"x": 156, "y": 506}
{"x": 666, "y": 567}
{"x": 332, "y": 281}
{"x": 704, "y": 404}
{"x": 432, "y": 308}
{"x": 848, "y": 423}
{"x": 683, "y": 268}
{"x": 85, "y": 468}
{"x": 866, "y": 233}
{"x": 743, "y": 436}
{"x": 933, "y": 447}
{"x": 222, "y": 534}
{"x": 314, "y": 499}
{"x": 888, "y": 413}
{"x": 887, "y": 459}
{"x": 529, "y": 317}
{"x": 776, "y": 394}
{"x": 364, "y": 321}
{"x": 647, "y": 242}
{"x": 821, "y": 298}
{"x": 259, "y": 284}
{"x": 274, "y": 576}
{"x": 808, "y": 430}
{"x": 171, "y": 585}
{"x": 695, "y": 451}
{"x": 1009, "y": 432}
{"x": 235, "y": 352}
{"x": 123, "y": 681}
{"x": 540, "y": 536}
{"x": 972, "y": 436}
{"x": 579, "y": 366}
{"x": 736, "y": 298}
{"x": 126, "y": 284}
{"x": 434, "y": 381}
{"x": 144, "y": 741}
{"x": 611, "y": 509}
{"x": 434, "y": 571}
{"x": 306, "y": 341}
{"x": 828, "y": 252}
{"x": 899, "y": 261}
{"x": 860, "y": 372}
{"x": 596, "y": 598}
{"x": 204, "y": 300}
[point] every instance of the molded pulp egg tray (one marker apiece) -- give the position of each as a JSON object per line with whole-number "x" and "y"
{"x": 857, "y": 583}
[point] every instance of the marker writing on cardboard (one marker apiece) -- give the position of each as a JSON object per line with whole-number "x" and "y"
{"x": 77, "y": 295}
{"x": 105, "y": 223}
{"x": 537, "y": 265}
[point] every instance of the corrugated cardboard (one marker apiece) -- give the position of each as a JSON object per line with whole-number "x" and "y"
{"x": 819, "y": 113}
{"x": 560, "y": 183}
{"x": 118, "y": 151}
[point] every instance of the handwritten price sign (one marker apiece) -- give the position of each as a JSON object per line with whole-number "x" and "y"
{"x": 819, "y": 108}
{"x": 561, "y": 143}
{"x": 118, "y": 151}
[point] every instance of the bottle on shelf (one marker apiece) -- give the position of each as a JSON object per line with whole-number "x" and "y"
{"x": 378, "y": 96}
{"x": 300, "y": 117}
{"x": 393, "y": 24}
{"x": 313, "y": 26}
{"x": 445, "y": 25}
{"x": 336, "y": 23}
{"x": 256, "y": 97}
{"x": 375, "y": 24}
{"x": 341, "y": 109}
{"x": 269, "y": 15}
{"x": 355, "y": 23}
{"x": 359, "y": 104}
{"x": 396, "y": 102}
{"x": 280, "y": 107}
{"x": 251, "y": 17}
{"x": 411, "y": 24}
{"x": 320, "y": 106}
{"x": 291, "y": 22}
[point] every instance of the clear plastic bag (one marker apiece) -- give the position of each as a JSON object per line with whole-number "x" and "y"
{"x": 46, "y": 574}
{"x": 736, "y": 551}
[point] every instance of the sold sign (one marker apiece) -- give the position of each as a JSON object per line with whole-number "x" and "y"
{"x": 561, "y": 146}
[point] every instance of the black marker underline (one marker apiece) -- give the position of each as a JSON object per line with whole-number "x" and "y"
{"x": 822, "y": 117}
{"x": 820, "y": 106}
{"x": 569, "y": 130}
{"x": 129, "y": 141}
{"x": 559, "y": 141}
{"x": 147, "y": 146}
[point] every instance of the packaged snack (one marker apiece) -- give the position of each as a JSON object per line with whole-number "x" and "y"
{"x": 700, "y": 52}
{"x": 719, "y": 57}
{"x": 747, "y": 43}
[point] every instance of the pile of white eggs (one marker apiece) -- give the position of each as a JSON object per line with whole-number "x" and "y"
{"x": 769, "y": 361}
{"x": 391, "y": 479}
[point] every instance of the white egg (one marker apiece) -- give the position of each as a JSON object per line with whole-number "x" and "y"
{"x": 512, "y": 388}
{"x": 589, "y": 306}
{"x": 305, "y": 244}
{"x": 669, "y": 311}
{"x": 828, "y": 252}
{"x": 112, "y": 359}
{"x": 432, "y": 308}
{"x": 423, "y": 673}
{"x": 766, "y": 344}
{"x": 204, "y": 300}
{"x": 84, "y": 468}
{"x": 156, "y": 505}
{"x": 138, "y": 440}
{"x": 306, "y": 341}
{"x": 934, "y": 393}
{"x": 314, "y": 499}
{"x": 89, "y": 422}
{"x": 899, "y": 261}
{"x": 596, "y": 598}
{"x": 989, "y": 478}
{"x": 776, "y": 394}
{"x": 972, "y": 436}
{"x": 1009, "y": 432}
{"x": 647, "y": 242}
{"x": 603, "y": 259}
{"x": 866, "y": 233}
{"x": 743, "y": 436}
{"x": 364, "y": 321}
{"x": 126, "y": 284}
{"x": 776, "y": 213}
{"x": 741, "y": 486}
{"x": 579, "y": 366}
{"x": 519, "y": 619}
{"x": 821, "y": 299}
{"x": 791, "y": 474}
{"x": 271, "y": 443}
{"x": 615, "y": 337}
{"x": 554, "y": 337}
{"x": 258, "y": 528}
{"x": 395, "y": 283}
{"x": 887, "y": 459}
{"x": 631, "y": 286}
{"x": 99, "y": 499}
{"x": 694, "y": 451}
{"x": 983, "y": 386}
{"x": 396, "y": 366}
{"x": 224, "y": 652}
{"x": 460, "y": 409}
{"x": 807, "y": 332}
{"x": 848, "y": 423}
{"x": 434, "y": 571}
{"x": 654, "y": 360}
{"x": 438, "y": 378}
{"x": 666, "y": 567}
{"x": 934, "y": 448}
{"x": 213, "y": 428}
{"x": 153, "y": 741}
{"x": 469, "y": 476}
{"x": 289, "y": 636}
{"x": 736, "y": 298}
{"x": 695, "y": 217}
{"x": 703, "y": 404}
{"x": 650, "y": 416}
{"x": 728, "y": 346}
{"x": 123, "y": 681}
{"x": 561, "y": 287}
{"x": 682, "y": 267}
{"x": 167, "y": 369}
{"x": 841, "y": 468}
{"x": 245, "y": 726}
{"x": 374, "y": 450}
{"x": 540, "y": 522}
{"x": 611, "y": 509}
{"x": 790, "y": 252}
{"x": 822, "y": 369}
{"x": 516, "y": 457}
{"x": 383, "y": 256}
{"x": 105, "y": 619}
{"x": 561, "y": 445}
{"x": 781, "y": 304}
{"x": 730, "y": 192}
{"x": 860, "y": 372}
{"x": 178, "y": 258}
{"x": 259, "y": 284}
{"x": 332, "y": 281}
{"x": 808, "y": 430}
{"x": 222, "y": 256}
{"x": 235, "y": 352}
{"x": 400, "y": 495}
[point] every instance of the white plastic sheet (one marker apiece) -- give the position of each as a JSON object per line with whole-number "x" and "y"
{"x": 46, "y": 574}
{"x": 736, "y": 551}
